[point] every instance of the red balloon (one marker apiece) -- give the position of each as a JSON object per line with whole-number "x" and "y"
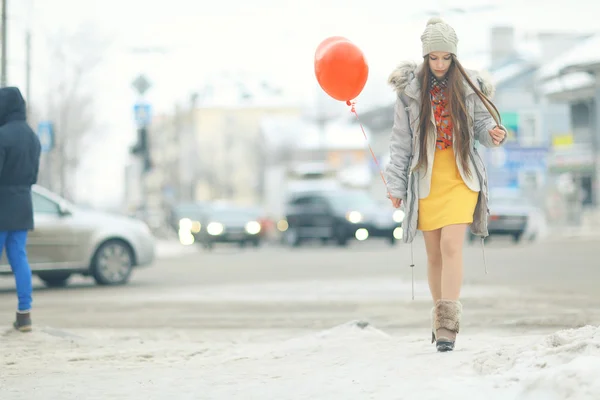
{"x": 325, "y": 43}
{"x": 341, "y": 68}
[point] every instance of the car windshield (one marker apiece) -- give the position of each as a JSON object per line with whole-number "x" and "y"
{"x": 352, "y": 200}
{"x": 189, "y": 210}
{"x": 226, "y": 215}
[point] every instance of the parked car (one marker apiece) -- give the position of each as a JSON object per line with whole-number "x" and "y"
{"x": 226, "y": 223}
{"x": 340, "y": 216}
{"x": 68, "y": 240}
{"x": 512, "y": 215}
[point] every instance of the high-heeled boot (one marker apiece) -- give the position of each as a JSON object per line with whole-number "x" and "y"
{"x": 447, "y": 323}
{"x": 432, "y": 324}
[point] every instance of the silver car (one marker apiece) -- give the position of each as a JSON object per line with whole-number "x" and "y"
{"x": 513, "y": 215}
{"x": 71, "y": 240}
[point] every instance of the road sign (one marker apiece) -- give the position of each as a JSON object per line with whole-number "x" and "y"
{"x": 141, "y": 84}
{"x": 506, "y": 163}
{"x": 142, "y": 114}
{"x": 45, "y": 133}
{"x": 526, "y": 157}
{"x": 497, "y": 157}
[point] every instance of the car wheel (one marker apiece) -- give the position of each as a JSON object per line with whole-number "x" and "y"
{"x": 340, "y": 237}
{"x": 392, "y": 240}
{"x": 517, "y": 237}
{"x": 54, "y": 279}
{"x": 205, "y": 243}
{"x": 470, "y": 238}
{"x": 113, "y": 262}
{"x": 291, "y": 238}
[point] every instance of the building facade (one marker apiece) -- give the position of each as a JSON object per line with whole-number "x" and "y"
{"x": 574, "y": 80}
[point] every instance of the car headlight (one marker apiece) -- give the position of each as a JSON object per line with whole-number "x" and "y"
{"x": 398, "y": 216}
{"x": 185, "y": 224}
{"x": 214, "y": 228}
{"x": 282, "y": 225}
{"x": 253, "y": 227}
{"x": 186, "y": 238}
{"x": 354, "y": 216}
{"x": 196, "y": 226}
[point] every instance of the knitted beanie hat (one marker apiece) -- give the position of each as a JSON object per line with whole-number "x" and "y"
{"x": 439, "y": 36}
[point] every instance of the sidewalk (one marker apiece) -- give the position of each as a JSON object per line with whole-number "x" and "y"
{"x": 573, "y": 233}
{"x": 169, "y": 248}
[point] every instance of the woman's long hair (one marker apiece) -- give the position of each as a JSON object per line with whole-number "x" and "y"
{"x": 457, "y": 108}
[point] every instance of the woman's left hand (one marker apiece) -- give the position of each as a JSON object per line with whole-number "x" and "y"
{"x": 497, "y": 135}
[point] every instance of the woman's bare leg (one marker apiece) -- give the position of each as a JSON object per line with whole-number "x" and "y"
{"x": 434, "y": 263}
{"x": 451, "y": 245}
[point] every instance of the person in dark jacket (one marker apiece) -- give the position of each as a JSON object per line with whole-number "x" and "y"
{"x": 19, "y": 164}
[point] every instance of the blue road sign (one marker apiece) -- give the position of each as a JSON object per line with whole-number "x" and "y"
{"x": 526, "y": 157}
{"x": 142, "y": 114}
{"x": 45, "y": 133}
{"x": 505, "y": 163}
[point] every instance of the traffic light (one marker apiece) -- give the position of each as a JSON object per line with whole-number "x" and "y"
{"x": 141, "y": 145}
{"x": 142, "y": 148}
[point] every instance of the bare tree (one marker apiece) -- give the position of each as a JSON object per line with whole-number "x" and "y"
{"x": 74, "y": 57}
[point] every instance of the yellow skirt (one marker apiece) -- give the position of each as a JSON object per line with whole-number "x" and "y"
{"x": 450, "y": 200}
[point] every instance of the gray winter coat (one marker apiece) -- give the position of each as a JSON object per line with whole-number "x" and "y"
{"x": 404, "y": 181}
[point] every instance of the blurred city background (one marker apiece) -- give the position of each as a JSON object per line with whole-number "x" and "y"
{"x": 191, "y": 137}
{"x": 152, "y": 108}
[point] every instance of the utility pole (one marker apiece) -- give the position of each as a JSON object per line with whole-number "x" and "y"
{"x": 595, "y": 131}
{"x": 191, "y": 131}
{"x": 28, "y": 70}
{"x": 142, "y": 110}
{"x": 4, "y": 45}
{"x": 141, "y": 150}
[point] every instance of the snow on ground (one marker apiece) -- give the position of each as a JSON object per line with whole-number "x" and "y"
{"x": 374, "y": 289}
{"x": 349, "y": 362}
{"x": 266, "y": 349}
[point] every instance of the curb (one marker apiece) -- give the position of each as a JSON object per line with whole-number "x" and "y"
{"x": 572, "y": 237}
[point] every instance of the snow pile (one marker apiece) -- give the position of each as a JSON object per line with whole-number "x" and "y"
{"x": 351, "y": 361}
{"x": 564, "y": 365}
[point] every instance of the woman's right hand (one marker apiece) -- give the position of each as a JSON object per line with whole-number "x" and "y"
{"x": 396, "y": 202}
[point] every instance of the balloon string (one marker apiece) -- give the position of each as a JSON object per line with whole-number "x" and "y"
{"x": 353, "y": 110}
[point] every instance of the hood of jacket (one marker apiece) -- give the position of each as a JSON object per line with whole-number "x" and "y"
{"x": 402, "y": 79}
{"x": 12, "y": 105}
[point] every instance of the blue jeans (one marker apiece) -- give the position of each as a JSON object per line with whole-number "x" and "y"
{"x": 14, "y": 242}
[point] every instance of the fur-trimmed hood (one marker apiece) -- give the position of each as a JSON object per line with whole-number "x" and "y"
{"x": 403, "y": 76}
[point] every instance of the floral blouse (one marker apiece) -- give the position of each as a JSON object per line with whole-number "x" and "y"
{"x": 443, "y": 121}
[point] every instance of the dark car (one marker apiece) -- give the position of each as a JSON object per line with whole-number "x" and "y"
{"x": 340, "y": 216}
{"x": 184, "y": 215}
{"x": 229, "y": 224}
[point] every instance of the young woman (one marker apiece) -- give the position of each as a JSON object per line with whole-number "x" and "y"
{"x": 435, "y": 169}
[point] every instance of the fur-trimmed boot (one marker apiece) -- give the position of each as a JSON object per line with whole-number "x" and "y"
{"x": 432, "y": 324}
{"x": 447, "y": 323}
